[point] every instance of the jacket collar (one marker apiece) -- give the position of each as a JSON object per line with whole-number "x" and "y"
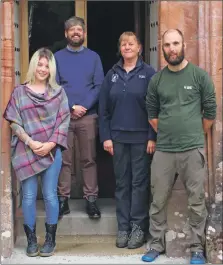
{"x": 119, "y": 64}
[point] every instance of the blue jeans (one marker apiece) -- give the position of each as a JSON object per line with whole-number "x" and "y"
{"x": 49, "y": 181}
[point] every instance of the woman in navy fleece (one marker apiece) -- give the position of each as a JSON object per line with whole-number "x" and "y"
{"x": 127, "y": 135}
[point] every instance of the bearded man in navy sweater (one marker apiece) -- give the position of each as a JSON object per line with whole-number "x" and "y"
{"x": 80, "y": 72}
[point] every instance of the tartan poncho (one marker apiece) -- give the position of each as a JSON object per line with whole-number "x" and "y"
{"x": 45, "y": 118}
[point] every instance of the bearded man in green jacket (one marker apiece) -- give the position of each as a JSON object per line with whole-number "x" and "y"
{"x": 181, "y": 107}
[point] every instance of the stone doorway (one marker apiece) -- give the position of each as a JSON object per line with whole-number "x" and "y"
{"x": 106, "y": 21}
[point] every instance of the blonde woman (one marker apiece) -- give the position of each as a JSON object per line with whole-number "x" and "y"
{"x": 39, "y": 116}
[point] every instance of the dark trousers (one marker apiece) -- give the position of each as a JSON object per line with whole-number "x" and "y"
{"x": 131, "y": 167}
{"x": 85, "y": 129}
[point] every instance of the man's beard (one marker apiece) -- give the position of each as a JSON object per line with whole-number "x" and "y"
{"x": 179, "y": 59}
{"x": 75, "y": 43}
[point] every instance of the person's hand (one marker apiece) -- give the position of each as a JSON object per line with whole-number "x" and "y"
{"x": 35, "y": 145}
{"x": 151, "y": 146}
{"x": 45, "y": 149}
{"x": 78, "y": 112}
{"x": 76, "y": 116}
{"x": 108, "y": 146}
{"x": 73, "y": 116}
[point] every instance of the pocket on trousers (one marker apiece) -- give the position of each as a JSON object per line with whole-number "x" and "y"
{"x": 201, "y": 152}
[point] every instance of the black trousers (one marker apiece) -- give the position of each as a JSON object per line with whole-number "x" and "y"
{"x": 132, "y": 170}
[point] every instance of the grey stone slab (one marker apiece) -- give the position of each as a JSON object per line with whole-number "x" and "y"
{"x": 77, "y": 222}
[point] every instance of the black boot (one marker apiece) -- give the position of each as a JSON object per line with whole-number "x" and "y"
{"x": 32, "y": 249}
{"x": 92, "y": 208}
{"x": 50, "y": 243}
{"x": 63, "y": 206}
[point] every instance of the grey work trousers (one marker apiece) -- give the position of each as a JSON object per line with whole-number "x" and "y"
{"x": 191, "y": 167}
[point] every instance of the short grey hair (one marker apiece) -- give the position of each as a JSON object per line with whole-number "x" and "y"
{"x": 74, "y": 21}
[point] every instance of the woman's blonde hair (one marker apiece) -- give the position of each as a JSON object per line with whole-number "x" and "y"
{"x": 43, "y": 53}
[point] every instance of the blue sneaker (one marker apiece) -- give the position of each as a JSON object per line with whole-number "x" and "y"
{"x": 151, "y": 255}
{"x": 197, "y": 258}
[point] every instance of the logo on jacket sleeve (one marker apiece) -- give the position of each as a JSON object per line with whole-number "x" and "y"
{"x": 114, "y": 78}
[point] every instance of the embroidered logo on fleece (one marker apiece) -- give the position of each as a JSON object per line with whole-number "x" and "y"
{"x": 114, "y": 78}
{"x": 142, "y": 76}
{"x": 188, "y": 87}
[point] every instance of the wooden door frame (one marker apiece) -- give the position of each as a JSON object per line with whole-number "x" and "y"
{"x": 24, "y": 38}
{"x": 81, "y": 11}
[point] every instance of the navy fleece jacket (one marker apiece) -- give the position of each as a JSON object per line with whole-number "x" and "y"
{"x": 81, "y": 75}
{"x": 122, "y": 109}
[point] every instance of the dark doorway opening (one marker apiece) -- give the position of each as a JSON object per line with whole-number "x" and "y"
{"x": 46, "y": 24}
{"x": 107, "y": 20}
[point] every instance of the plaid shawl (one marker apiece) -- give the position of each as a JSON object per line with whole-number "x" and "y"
{"x": 45, "y": 118}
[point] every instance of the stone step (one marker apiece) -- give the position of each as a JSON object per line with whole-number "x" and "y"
{"x": 95, "y": 249}
{"x": 77, "y": 222}
{"x": 98, "y": 245}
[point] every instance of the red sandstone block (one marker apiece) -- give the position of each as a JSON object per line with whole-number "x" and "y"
{"x": 8, "y": 19}
{"x": 7, "y": 32}
{"x": 217, "y": 79}
{"x": 7, "y": 43}
{"x": 6, "y": 136}
{"x": 7, "y": 72}
{"x": 216, "y": 9}
{"x": 7, "y": 63}
{"x": 7, "y": 86}
{"x": 8, "y": 10}
{"x": 216, "y": 54}
{"x": 177, "y": 247}
{"x": 6, "y": 172}
{"x": 178, "y": 184}
{"x": 8, "y": 55}
{"x": 7, "y": 80}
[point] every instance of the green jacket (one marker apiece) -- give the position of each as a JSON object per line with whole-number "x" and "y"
{"x": 180, "y": 100}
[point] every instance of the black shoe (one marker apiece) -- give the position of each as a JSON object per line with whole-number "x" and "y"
{"x": 32, "y": 249}
{"x": 63, "y": 206}
{"x": 50, "y": 243}
{"x": 122, "y": 239}
{"x": 92, "y": 208}
{"x": 136, "y": 238}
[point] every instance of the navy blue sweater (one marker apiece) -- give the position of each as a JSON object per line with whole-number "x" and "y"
{"x": 81, "y": 75}
{"x": 122, "y": 108}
